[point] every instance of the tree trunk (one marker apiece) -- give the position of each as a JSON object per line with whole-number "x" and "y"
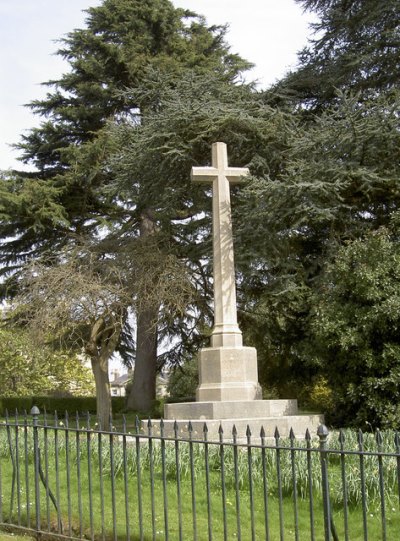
{"x": 143, "y": 391}
{"x": 103, "y": 394}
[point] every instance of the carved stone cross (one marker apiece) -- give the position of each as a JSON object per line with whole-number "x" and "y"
{"x": 226, "y": 332}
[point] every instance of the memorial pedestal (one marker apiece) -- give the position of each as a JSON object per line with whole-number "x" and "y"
{"x": 227, "y": 373}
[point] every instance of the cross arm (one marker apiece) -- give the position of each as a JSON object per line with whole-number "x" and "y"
{"x": 204, "y": 174}
{"x": 235, "y": 174}
{"x": 207, "y": 174}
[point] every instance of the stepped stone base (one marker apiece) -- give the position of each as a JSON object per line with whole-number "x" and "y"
{"x": 255, "y": 414}
{"x": 235, "y": 409}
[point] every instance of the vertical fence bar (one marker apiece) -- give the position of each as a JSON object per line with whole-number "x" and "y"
{"x": 57, "y": 473}
{"x": 208, "y": 491}
{"x": 126, "y": 484}
{"x": 78, "y": 472}
{"x": 10, "y": 447}
{"x": 322, "y": 433}
{"x": 178, "y": 480}
{"x": 90, "y": 473}
{"x": 294, "y": 479}
{"x": 26, "y": 465}
{"x": 112, "y": 480}
{"x": 164, "y": 480}
{"x": 237, "y": 483}
{"x": 265, "y": 483}
{"x": 362, "y": 479}
{"x": 279, "y": 478}
{"x": 223, "y": 487}
{"x": 18, "y": 481}
{"x": 310, "y": 484}
{"x": 397, "y": 446}
{"x": 151, "y": 467}
{"x": 192, "y": 481}
{"x": 251, "y": 487}
{"x": 46, "y": 468}
{"x": 67, "y": 466}
{"x": 1, "y": 485}
{"x": 35, "y": 414}
{"x": 342, "y": 440}
{"x": 379, "y": 442}
{"x": 100, "y": 453}
{"x": 139, "y": 478}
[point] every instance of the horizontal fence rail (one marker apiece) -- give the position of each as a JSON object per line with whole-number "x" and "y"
{"x": 67, "y": 478}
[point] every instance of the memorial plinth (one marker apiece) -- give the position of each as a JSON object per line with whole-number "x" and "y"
{"x": 229, "y": 393}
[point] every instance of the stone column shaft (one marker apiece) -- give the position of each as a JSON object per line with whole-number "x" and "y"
{"x": 226, "y": 332}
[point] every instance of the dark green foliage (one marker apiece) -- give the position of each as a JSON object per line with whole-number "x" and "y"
{"x": 122, "y": 41}
{"x": 356, "y": 321}
{"x": 183, "y": 382}
{"x": 356, "y": 47}
{"x": 338, "y": 182}
{"x": 338, "y": 179}
{"x": 64, "y": 198}
{"x": 70, "y": 404}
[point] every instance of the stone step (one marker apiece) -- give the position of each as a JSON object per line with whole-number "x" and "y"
{"x": 298, "y": 423}
{"x": 238, "y": 409}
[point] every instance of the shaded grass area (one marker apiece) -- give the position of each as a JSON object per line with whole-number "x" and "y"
{"x": 125, "y": 487}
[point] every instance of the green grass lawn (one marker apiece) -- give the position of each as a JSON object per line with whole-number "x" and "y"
{"x": 130, "y": 489}
{"x": 13, "y": 537}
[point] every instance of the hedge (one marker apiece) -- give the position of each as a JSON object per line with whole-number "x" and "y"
{"x": 72, "y": 404}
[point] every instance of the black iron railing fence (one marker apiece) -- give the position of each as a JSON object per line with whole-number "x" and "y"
{"x": 68, "y": 479}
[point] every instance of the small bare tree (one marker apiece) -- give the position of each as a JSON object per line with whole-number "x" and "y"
{"x": 79, "y": 302}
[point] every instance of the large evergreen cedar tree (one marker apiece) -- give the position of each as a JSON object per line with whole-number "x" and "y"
{"x": 191, "y": 113}
{"x": 355, "y": 48}
{"x": 63, "y": 203}
{"x": 339, "y": 182}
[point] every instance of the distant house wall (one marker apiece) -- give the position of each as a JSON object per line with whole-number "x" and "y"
{"x": 118, "y": 384}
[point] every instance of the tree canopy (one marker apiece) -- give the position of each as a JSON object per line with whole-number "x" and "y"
{"x": 26, "y": 369}
{"x": 66, "y": 202}
{"x": 355, "y": 48}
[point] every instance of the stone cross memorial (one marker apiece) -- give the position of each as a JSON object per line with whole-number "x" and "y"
{"x": 228, "y": 391}
{"x": 228, "y": 371}
{"x": 226, "y": 331}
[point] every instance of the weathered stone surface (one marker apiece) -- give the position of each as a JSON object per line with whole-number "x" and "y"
{"x": 299, "y": 424}
{"x": 227, "y": 373}
{"x": 226, "y": 331}
{"x": 237, "y": 409}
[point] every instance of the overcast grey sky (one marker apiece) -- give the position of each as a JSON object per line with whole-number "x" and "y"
{"x": 266, "y": 32}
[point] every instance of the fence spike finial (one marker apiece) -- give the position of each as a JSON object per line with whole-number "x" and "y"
{"x": 322, "y": 433}
{"x": 34, "y": 411}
